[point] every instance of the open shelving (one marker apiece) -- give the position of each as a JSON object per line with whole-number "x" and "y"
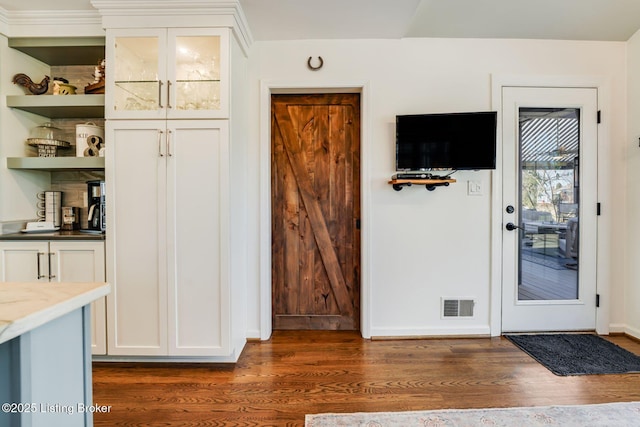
{"x": 56, "y": 164}
{"x": 60, "y": 51}
{"x": 59, "y": 106}
{"x": 430, "y": 184}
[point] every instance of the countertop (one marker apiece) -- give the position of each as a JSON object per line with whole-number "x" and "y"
{"x": 56, "y": 235}
{"x": 25, "y": 306}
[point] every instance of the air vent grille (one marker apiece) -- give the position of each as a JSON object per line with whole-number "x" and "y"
{"x": 457, "y": 307}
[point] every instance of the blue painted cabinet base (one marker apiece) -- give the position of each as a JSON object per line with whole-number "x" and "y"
{"x": 45, "y": 374}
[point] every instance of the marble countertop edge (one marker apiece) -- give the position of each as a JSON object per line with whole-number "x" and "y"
{"x": 21, "y": 313}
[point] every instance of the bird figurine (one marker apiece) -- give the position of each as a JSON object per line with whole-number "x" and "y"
{"x": 35, "y": 88}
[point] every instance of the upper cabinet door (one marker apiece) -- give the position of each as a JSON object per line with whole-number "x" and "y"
{"x": 136, "y": 74}
{"x": 167, "y": 73}
{"x": 198, "y": 73}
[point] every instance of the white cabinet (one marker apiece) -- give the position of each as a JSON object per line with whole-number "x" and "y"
{"x": 24, "y": 261}
{"x": 168, "y": 107}
{"x": 173, "y": 73}
{"x": 168, "y": 237}
{"x": 59, "y": 261}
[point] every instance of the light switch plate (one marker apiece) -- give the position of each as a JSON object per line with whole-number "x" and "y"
{"x": 474, "y": 188}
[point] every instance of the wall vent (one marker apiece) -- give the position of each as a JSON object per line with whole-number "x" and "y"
{"x": 457, "y": 307}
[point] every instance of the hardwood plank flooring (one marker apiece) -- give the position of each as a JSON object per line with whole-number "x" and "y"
{"x": 277, "y": 382}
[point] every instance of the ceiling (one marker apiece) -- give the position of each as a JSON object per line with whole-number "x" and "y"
{"x": 607, "y": 20}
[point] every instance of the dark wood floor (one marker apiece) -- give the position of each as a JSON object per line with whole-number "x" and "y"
{"x": 275, "y": 383}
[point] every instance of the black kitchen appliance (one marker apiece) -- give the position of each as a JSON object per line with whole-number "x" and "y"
{"x": 96, "y": 219}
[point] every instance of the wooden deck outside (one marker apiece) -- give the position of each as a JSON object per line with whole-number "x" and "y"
{"x": 545, "y": 274}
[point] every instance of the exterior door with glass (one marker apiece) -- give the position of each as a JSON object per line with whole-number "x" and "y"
{"x": 549, "y": 213}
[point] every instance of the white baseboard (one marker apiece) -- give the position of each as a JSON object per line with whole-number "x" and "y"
{"x": 479, "y": 331}
{"x": 620, "y": 328}
{"x": 617, "y": 328}
{"x": 634, "y": 332}
{"x": 233, "y": 358}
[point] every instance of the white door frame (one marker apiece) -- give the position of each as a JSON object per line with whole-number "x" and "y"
{"x": 267, "y": 88}
{"x": 602, "y": 85}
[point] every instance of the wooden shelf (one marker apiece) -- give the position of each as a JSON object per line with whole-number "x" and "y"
{"x": 430, "y": 184}
{"x": 56, "y": 164}
{"x": 59, "y": 106}
{"x": 62, "y": 50}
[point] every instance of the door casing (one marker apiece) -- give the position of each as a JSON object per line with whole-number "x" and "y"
{"x": 563, "y": 314}
{"x": 267, "y": 88}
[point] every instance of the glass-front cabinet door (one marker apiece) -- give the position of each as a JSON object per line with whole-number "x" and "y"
{"x": 167, "y": 73}
{"x": 136, "y": 73}
{"x": 195, "y": 77}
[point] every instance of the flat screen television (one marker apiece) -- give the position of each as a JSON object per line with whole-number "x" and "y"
{"x": 446, "y": 141}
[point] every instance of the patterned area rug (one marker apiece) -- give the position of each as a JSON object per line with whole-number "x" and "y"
{"x": 609, "y": 415}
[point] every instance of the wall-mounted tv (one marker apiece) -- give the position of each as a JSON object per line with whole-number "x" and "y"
{"x": 446, "y": 141}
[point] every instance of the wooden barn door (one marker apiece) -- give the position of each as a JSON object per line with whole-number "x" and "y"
{"x": 315, "y": 174}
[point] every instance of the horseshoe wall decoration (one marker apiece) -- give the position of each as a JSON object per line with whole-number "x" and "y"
{"x": 311, "y": 67}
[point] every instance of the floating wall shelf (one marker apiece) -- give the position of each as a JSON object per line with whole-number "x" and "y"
{"x": 430, "y": 184}
{"x": 59, "y": 106}
{"x": 56, "y": 164}
{"x": 62, "y": 50}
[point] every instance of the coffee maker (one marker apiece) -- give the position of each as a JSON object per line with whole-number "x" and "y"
{"x": 96, "y": 220}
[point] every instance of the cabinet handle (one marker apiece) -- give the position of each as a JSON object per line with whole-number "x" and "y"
{"x": 168, "y": 93}
{"x": 50, "y": 275}
{"x": 40, "y": 276}
{"x": 160, "y": 94}
{"x": 160, "y": 143}
{"x": 169, "y": 136}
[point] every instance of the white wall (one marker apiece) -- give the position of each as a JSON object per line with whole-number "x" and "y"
{"x": 17, "y": 188}
{"x": 426, "y": 245}
{"x": 422, "y": 245}
{"x": 632, "y": 289}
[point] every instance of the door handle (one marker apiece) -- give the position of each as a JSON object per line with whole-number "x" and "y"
{"x": 40, "y": 276}
{"x": 50, "y": 275}
{"x": 169, "y": 136}
{"x": 160, "y": 94}
{"x": 168, "y": 93}
{"x": 160, "y": 143}
{"x": 511, "y": 226}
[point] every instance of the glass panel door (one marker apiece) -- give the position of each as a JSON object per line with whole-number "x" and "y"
{"x": 549, "y": 183}
{"x": 549, "y": 203}
{"x": 137, "y": 84}
{"x": 197, "y": 73}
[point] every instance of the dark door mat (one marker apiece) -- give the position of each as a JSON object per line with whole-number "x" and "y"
{"x": 577, "y": 354}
